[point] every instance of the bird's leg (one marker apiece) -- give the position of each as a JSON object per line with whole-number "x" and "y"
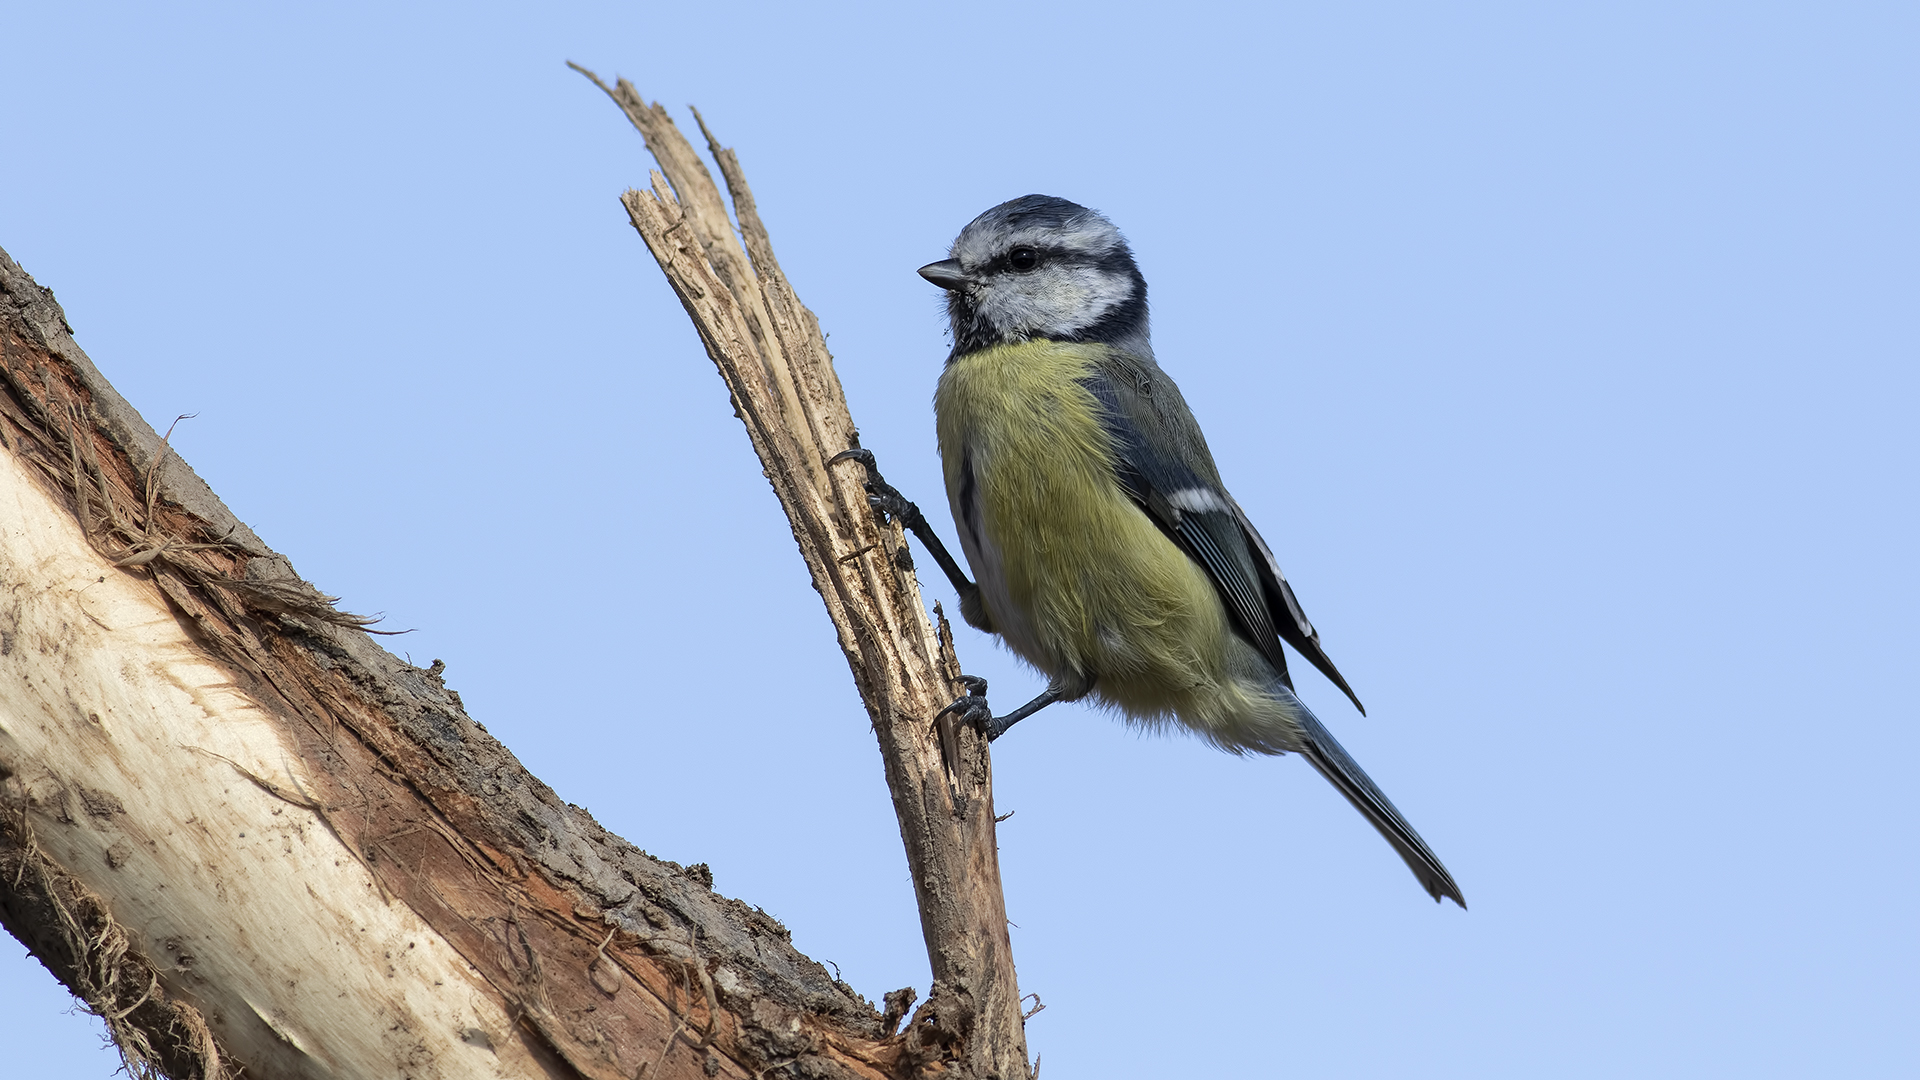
{"x": 885, "y": 498}
{"x": 974, "y": 708}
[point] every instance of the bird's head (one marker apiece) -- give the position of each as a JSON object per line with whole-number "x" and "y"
{"x": 1042, "y": 267}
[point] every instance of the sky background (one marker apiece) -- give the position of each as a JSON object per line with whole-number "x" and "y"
{"x": 1567, "y": 354}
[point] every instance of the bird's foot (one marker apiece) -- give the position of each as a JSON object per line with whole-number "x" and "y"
{"x": 888, "y": 501}
{"x": 881, "y": 495}
{"x": 973, "y": 707}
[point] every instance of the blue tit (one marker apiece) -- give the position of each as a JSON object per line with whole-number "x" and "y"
{"x": 1106, "y": 551}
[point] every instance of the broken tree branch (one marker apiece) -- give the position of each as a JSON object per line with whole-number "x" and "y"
{"x": 255, "y": 843}
{"x": 770, "y": 353}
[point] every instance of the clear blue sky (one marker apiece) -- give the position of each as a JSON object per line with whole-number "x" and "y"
{"x": 1566, "y": 353}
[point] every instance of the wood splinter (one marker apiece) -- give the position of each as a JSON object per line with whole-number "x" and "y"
{"x": 771, "y": 354}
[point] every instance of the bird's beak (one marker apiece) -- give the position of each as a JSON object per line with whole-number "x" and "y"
{"x": 946, "y": 273}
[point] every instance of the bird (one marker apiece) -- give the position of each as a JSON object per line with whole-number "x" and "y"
{"x": 1106, "y": 551}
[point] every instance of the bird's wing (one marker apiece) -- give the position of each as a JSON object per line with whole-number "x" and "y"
{"x": 1294, "y": 627}
{"x": 1162, "y": 463}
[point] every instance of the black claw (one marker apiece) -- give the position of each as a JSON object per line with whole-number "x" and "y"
{"x": 881, "y": 495}
{"x": 972, "y": 708}
{"x": 864, "y": 457}
{"x": 888, "y": 501}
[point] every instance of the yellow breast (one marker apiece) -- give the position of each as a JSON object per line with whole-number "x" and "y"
{"x": 1076, "y": 578}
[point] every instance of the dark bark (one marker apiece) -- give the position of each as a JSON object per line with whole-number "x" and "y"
{"x": 603, "y": 956}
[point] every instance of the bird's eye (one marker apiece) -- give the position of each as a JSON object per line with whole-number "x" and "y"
{"x": 1023, "y": 259}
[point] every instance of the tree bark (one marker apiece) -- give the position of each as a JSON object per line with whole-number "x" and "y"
{"x": 250, "y": 839}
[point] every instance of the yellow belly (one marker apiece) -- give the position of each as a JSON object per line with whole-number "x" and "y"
{"x": 1076, "y": 578}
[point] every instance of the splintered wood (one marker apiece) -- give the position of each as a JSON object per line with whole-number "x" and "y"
{"x": 770, "y": 352}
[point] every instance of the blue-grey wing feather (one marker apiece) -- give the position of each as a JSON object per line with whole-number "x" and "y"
{"x": 1163, "y": 464}
{"x": 1292, "y": 620}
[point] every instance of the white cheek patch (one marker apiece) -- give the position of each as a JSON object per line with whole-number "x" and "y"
{"x": 1198, "y": 501}
{"x": 1100, "y": 291}
{"x": 1054, "y": 301}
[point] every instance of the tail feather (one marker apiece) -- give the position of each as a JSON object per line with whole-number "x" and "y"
{"x": 1332, "y": 761}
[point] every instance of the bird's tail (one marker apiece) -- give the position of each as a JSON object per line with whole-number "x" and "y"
{"x": 1344, "y": 773}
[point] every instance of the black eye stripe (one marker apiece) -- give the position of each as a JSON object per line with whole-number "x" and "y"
{"x": 1117, "y": 260}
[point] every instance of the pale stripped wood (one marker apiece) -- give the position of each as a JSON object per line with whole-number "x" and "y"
{"x": 256, "y": 844}
{"x": 770, "y": 352}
